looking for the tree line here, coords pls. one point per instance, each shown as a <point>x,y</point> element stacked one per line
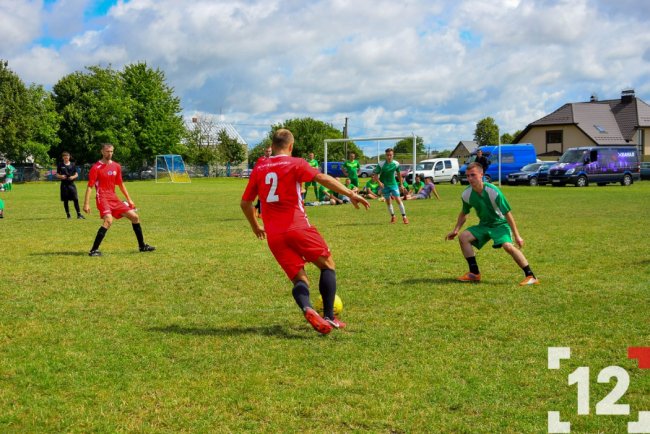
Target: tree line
<point>133,108</point>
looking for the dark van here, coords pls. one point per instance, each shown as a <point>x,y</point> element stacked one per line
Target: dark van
<point>334,168</point>
<point>599,164</point>
<point>513,158</point>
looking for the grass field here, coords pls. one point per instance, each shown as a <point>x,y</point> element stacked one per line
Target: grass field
<point>204,336</point>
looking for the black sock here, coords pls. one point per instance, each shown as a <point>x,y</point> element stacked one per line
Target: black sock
<point>473,266</point>
<point>327,287</point>
<point>66,207</point>
<point>99,238</point>
<point>301,295</point>
<point>76,206</point>
<point>528,271</point>
<point>138,234</point>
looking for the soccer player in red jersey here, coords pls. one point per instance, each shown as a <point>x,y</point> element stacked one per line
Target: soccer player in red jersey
<point>293,241</point>
<point>104,176</point>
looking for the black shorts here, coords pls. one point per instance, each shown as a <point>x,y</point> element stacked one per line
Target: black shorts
<point>68,192</point>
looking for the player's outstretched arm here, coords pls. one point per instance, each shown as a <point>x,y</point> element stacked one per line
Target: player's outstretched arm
<point>248,207</point>
<point>334,185</point>
<point>462,217</point>
<point>126,195</point>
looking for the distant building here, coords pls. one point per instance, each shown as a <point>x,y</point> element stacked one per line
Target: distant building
<point>463,150</point>
<point>624,121</point>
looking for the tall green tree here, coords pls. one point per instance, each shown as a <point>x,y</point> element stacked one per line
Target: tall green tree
<point>157,125</point>
<point>95,109</point>
<point>44,125</point>
<point>309,135</point>
<point>231,151</point>
<point>405,146</point>
<point>486,132</point>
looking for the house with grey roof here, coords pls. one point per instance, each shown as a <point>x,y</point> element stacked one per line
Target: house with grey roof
<point>463,149</point>
<point>624,121</point>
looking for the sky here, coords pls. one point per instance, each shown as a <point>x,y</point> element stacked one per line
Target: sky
<point>393,68</point>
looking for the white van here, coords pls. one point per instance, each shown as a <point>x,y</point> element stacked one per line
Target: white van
<point>440,169</point>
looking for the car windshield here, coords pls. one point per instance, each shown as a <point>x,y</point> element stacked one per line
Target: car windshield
<point>572,156</point>
<point>531,167</point>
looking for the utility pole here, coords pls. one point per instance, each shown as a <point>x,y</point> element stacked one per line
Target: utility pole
<point>345,136</point>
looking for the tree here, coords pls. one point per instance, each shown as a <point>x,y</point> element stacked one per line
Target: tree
<point>405,146</point>
<point>487,132</point>
<point>95,109</point>
<point>157,125</point>
<point>309,135</point>
<point>230,150</point>
<point>506,138</point>
<point>28,122</point>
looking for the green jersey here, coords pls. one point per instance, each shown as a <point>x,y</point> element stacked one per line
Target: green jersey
<point>491,206</point>
<point>320,194</point>
<point>373,186</point>
<point>9,174</point>
<point>313,163</point>
<point>387,172</point>
<point>417,187</point>
<point>352,168</point>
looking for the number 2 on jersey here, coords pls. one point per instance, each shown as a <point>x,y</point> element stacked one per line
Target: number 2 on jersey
<point>272,178</point>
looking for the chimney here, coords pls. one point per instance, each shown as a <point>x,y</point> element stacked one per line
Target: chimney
<point>627,96</point>
<point>593,98</point>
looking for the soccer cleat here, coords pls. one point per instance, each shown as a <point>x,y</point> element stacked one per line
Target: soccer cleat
<point>336,323</point>
<point>95,253</point>
<point>69,217</point>
<point>529,280</point>
<point>470,277</point>
<point>80,217</point>
<point>147,248</point>
<point>393,219</point>
<point>405,220</point>
<point>317,322</point>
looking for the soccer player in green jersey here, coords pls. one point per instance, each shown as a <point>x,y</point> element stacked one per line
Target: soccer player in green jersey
<point>313,162</point>
<point>372,190</point>
<point>9,176</point>
<point>496,223</point>
<point>351,169</point>
<point>2,209</point>
<point>388,170</point>
<point>417,185</point>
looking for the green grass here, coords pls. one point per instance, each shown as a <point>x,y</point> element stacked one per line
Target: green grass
<point>203,334</point>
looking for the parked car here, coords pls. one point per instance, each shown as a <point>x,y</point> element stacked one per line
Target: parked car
<point>531,174</point>
<point>366,170</point>
<point>440,169</point>
<point>513,158</point>
<point>3,169</point>
<point>599,164</point>
<point>404,169</point>
<point>645,170</point>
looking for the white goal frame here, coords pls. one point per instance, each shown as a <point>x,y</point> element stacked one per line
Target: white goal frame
<point>373,139</point>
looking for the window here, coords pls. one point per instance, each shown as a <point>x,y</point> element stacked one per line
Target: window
<point>447,164</point>
<point>438,165</point>
<point>553,137</point>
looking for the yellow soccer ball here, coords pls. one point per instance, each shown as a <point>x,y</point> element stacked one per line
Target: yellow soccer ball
<point>338,305</point>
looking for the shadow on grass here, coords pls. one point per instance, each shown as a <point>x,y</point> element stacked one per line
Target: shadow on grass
<point>59,254</point>
<point>272,330</point>
<point>432,280</point>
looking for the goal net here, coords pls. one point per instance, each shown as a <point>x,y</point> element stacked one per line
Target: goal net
<point>171,168</point>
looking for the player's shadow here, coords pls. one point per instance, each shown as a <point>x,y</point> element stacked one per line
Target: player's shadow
<point>59,254</point>
<point>430,280</point>
<point>272,330</point>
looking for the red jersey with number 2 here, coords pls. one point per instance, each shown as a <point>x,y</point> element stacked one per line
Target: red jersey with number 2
<point>276,181</point>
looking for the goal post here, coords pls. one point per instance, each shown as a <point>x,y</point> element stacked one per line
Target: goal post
<point>171,168</point>
<point>373,139</point>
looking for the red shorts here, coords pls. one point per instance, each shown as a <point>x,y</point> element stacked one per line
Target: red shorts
<point>113,206</point>
<point>295,248</point>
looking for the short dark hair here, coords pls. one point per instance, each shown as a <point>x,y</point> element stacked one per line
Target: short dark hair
<point>475,165</point>
<point>389,150</point>
<point>64,153</point>
<point>282,138</point>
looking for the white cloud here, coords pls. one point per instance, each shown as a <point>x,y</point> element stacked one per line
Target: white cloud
<point>432,67</point>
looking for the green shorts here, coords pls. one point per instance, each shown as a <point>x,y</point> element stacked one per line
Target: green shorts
<point>309,184</point>
<point>499,234</point>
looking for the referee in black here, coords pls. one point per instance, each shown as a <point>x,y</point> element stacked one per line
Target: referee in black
<point>67,173</point>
